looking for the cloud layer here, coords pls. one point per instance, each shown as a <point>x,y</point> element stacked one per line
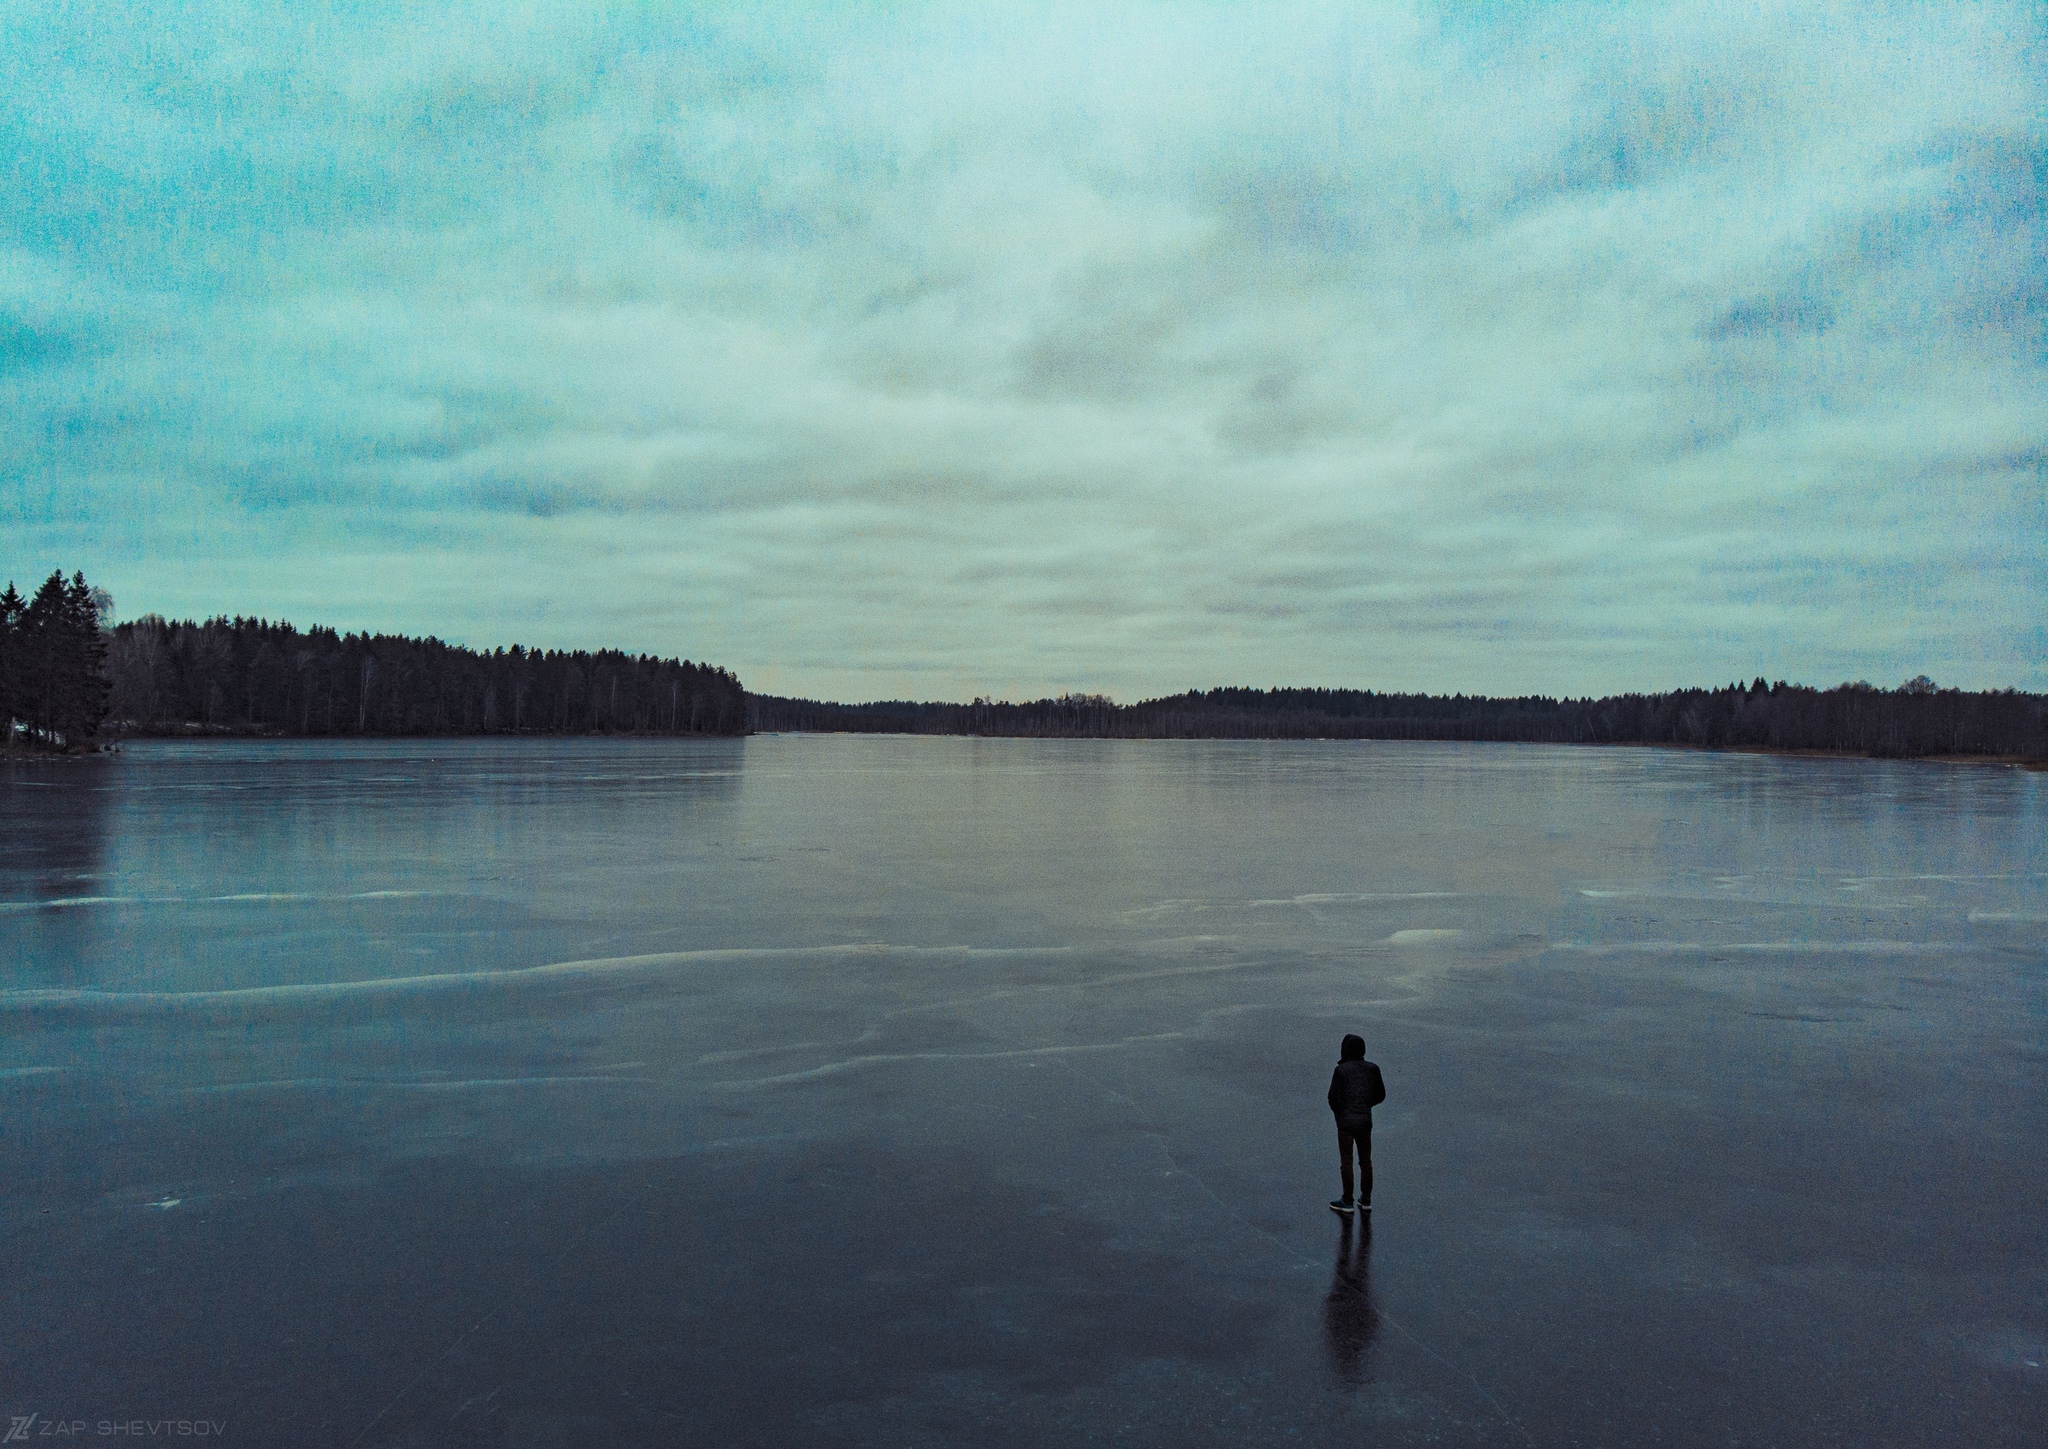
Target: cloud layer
<point>933,352</point>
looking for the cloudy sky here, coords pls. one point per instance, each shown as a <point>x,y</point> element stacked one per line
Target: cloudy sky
<point>920,351</point>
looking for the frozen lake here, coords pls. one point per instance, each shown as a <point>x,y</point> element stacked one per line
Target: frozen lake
<point>842,1090</point>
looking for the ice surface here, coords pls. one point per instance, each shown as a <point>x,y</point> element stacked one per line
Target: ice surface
<point>839,1090</point>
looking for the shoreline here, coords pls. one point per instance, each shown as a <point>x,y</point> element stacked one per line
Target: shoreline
<point>2018,762</point>
<point>226,735</point>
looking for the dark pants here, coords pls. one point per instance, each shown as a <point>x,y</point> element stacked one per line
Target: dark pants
<point>1356,1136</point>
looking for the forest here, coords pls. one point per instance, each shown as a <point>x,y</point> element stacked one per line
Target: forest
<point>53,682</point>
<point>256,676</point>
<point>67,682</point>
<point>1917,719</point>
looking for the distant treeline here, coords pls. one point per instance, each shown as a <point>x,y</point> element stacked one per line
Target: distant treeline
<point>257,677</point>
<point>1916,719</point>
<point>66,682</point>
<point>53,684</point>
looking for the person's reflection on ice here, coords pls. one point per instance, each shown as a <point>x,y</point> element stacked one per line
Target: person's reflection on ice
<point>1350,1321</point>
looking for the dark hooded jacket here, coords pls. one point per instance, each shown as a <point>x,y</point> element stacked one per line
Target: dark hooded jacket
<point>1356,1087</point>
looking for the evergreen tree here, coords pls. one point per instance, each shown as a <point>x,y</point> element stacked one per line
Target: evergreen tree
<point>84,673</point>
<point>53,675</point>
<point>42,636</point>
<point>11,607</point>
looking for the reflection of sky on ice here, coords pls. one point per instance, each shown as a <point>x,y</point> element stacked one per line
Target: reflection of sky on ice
<point>1026,1042</point>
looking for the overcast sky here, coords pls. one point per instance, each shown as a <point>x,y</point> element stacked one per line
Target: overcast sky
<point>932,352</point>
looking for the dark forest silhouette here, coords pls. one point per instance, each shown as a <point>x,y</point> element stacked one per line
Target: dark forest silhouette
<point>1916,719</point>
<point>66,682</point>
<point>53,683</point>
<point>255,676</point>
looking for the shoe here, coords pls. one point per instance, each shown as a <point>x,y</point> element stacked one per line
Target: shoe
<point>1341,1206</point>
<point>1365,1207</point>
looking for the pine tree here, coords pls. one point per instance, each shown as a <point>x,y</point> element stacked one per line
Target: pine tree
<point>11,607</point>
<point>85,686</point>
<point>42,652</point>
<point>56,663</point>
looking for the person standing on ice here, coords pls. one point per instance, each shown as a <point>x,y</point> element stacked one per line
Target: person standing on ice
<point>1356,1087</point>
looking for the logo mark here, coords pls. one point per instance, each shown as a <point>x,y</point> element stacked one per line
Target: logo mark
<point>18,1427</point>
